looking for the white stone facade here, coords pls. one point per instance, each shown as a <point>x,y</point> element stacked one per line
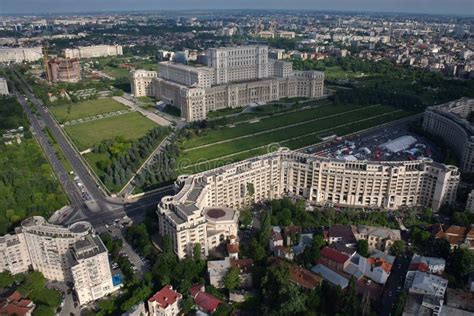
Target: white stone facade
<point>142,82</point>
<point>93,51</point>
<point>320,180</point>
<point>234,77</point>
<point>18,55</point>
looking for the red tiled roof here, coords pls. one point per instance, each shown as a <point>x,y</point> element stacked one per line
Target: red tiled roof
<point>16,305</point>
<point>233,248</point>
<point>421,266</point>
<point>166,296</point>
<point>379,262</point>
<point>334,255</point>
<point>15,296</point>
<point>304,278</point>
<point>245,265</point>
<point>456,230</point>
<point>206,302</point>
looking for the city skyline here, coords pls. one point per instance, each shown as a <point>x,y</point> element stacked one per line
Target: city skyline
<point>456,7</point>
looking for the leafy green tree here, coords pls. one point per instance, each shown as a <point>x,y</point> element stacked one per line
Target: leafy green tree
<point>6,279</point>
<point>43,310</point>
<point>231,279</point>
<point>397,248</point>
<point>245,217</point>
<point>440,248</point>
<point>197,251</point>
<point>459,265</point>
<point>363,248</point>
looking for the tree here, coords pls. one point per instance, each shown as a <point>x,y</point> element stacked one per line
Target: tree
<point>231,279</point>
<point>245,218</point>
<point>257,252</point>
<point>440,248</point>
<point>397,248</point>
<point>312,253</point>
<point>460,264</point>
<point>250,189</point>
<point>6,279</point>
<point>197,251</point>
<point>363,248</point>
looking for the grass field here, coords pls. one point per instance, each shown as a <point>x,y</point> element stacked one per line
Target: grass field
<point>275,121</point>
<point>129,126</point>
<point>331,120</point>
<point>73,111</point>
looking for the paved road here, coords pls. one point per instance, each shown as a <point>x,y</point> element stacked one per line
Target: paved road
<point>71,189</point>
<point>394,285</point>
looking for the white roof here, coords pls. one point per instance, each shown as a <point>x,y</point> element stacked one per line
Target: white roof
<point>399,143</point>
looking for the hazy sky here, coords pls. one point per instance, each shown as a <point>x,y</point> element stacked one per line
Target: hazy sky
<point>416,6</point>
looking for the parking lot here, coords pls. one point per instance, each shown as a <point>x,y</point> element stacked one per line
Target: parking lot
<point>394,143</point>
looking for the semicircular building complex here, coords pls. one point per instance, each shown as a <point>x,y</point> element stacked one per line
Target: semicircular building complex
<point>196,213</point>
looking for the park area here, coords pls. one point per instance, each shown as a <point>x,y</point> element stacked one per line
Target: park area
<point>127,126</point>
<point>251,134</point>
<point>74,111</point>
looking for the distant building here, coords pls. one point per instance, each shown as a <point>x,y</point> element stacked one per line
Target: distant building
<point>64,70</point>
<point>450,122</point>
<point>217,270</point>
<point>93,51</point>
<point>456,235</point>
<point>142,82</point>
<point>426,292</point>
<point>427,264</point>
<point>4,87</point>
<point>234,77</point>
<point>22,54</point>
<point>165,302</point>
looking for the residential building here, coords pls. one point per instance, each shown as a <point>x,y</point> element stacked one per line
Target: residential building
<point>14,256</point>
<point>165,302</point>
<point>426,291</point>
<point>217,269</point>
<point>317,179</point>
<point>298,275</point>
<point>90,269</point>
<point>333,259</point>
<point>456,235</point>
<point>21,54</point>
<point>205,302</point>
<point>65,254</point>
<point>16,304</point>
<point>330,276</point>
<point>141,82</point>
<point>4,87</point>
<point>470,202</point>
<point>342,234</point>
<point>93,51</point>
<point>377,267</point>
<point>449,121</point>
<point>380,238</point>
<point>137,310</point>
<point>64,70</point>
<point>427,264</point>
<point>233,77</point>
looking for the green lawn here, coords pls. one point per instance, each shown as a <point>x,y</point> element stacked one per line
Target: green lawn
<point>116,72</point>
<point>275,121</point>
<point>224,112</point>
<point>129,126</point>
<point>192,161</point>
<point>73,111</point>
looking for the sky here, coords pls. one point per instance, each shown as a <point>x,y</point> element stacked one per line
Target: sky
<point>464,7</point>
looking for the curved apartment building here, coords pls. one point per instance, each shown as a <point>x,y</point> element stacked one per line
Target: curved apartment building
<point>321,181</point>
<point>449,121</point>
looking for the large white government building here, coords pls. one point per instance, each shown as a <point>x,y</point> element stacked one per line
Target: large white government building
<point>93,51</point>
<point>233,77</point>
<point>66,254</point>
<point>450,122</point>
<point>321,181</point>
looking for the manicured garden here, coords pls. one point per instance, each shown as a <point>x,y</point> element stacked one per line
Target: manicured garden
<point>74,111</point>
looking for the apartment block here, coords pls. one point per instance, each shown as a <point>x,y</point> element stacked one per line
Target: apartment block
<point>21,54</point>
<point>450,122</point>
<point>4,87</point>
<point>93,51</point>
<point>90,269</point>
<point>64,254</point>
<point>321,181</point>
<point>234,77</point>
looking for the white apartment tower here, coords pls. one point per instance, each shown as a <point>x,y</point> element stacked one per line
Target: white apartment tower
<point>90,269</point>
<point>142,82</point>
<point>65,254</point>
